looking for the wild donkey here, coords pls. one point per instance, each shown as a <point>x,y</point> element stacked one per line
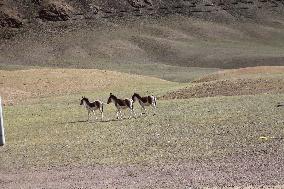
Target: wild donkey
<point>145,101</point>
<point>121,104</point>
<point>93,106</point>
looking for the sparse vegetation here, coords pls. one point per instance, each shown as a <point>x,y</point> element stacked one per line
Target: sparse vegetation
<point>215,127</point>
<point>172,48</point>
<point>52,131</point>
<point>55,132</point>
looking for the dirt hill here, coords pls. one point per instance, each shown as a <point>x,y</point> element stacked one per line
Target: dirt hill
<point>246,81</point>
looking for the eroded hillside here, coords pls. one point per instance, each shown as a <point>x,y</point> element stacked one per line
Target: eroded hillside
<point>14,13</point>
<point>141,37</point>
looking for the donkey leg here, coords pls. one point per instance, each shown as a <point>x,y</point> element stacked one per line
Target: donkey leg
<point>154,107</point>
<point>143,110</point>
<point>88,115</point>
<point>117,112</point>
<point>130,114</point>
<point>102,114</point>
<point>121,114</point>
<point>133,112</point>
<point>95,114</point>
<point>131,108</point>
<point>102,111</point>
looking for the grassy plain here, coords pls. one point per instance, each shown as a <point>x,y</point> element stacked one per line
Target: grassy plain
<point>51,129</point>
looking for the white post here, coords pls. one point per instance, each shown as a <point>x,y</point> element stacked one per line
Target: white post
<point>2,135</point>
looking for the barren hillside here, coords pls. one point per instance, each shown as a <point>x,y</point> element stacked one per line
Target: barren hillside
<point>123,35</point>
<point>74,9</point>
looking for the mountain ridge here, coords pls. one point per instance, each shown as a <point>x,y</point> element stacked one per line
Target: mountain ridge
<point>15,13</point>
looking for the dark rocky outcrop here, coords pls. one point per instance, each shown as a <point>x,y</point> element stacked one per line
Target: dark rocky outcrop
<point>10,18</point>
<point>61,10</point>
<point>54,10</point>
<point>140,3</point>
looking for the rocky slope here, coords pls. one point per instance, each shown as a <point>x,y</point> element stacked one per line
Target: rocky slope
<point>15,13</point>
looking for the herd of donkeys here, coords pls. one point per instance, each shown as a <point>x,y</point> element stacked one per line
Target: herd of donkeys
<point>120,104</point>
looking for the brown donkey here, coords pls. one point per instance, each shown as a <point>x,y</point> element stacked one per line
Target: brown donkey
<point>145,101</point>
<point>93,106</point>
<point>121,104</point>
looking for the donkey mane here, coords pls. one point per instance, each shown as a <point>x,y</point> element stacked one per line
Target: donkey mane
<point>137,95</point>
<point>86,99</point>
<point>112,96</point>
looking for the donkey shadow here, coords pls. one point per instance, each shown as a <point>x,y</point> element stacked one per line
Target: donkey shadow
<point>125,118</point>
<point>143,115</point>
<point>99,121</point>
<point>72,122</point>
<point>114,119</point>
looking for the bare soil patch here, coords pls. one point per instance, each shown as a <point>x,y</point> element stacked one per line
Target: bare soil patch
<point>243,81</point>
<point>240,171</point>
<point>243,73</point>
<point>229,88</point>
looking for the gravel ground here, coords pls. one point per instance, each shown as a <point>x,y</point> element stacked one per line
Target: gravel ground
<point>249,170</point>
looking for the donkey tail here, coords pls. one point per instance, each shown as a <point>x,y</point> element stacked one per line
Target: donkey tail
<point>102,110</point>
<point>155,100</point>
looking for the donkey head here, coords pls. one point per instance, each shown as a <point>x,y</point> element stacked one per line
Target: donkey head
<point>110,98</point>
<point>83,99</point>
